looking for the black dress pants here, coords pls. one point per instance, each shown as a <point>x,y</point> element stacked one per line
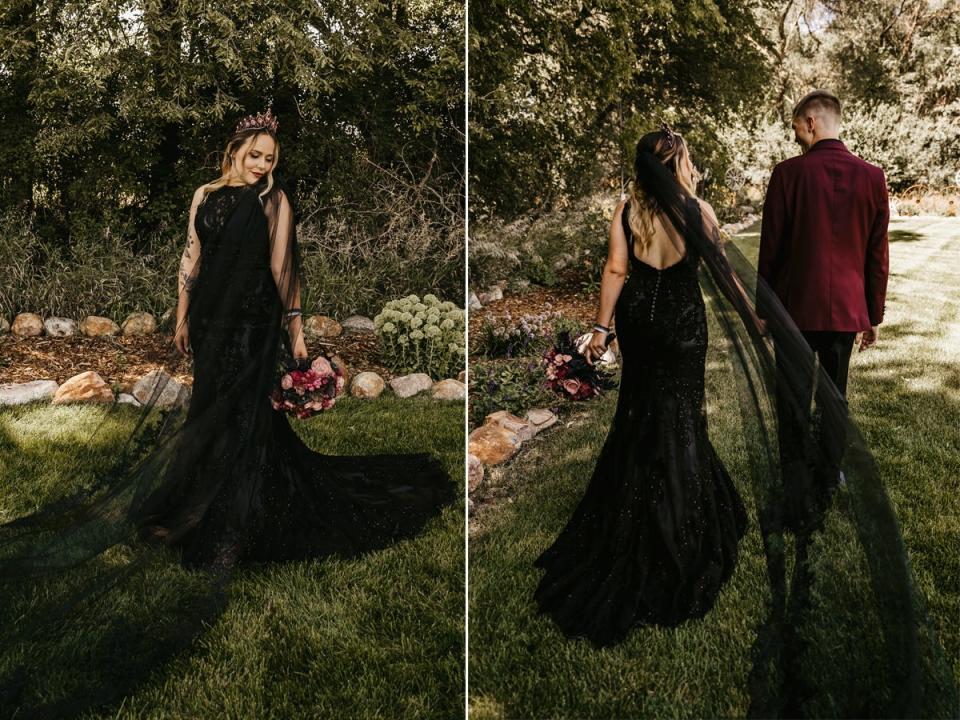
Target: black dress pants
<point>812,439</point>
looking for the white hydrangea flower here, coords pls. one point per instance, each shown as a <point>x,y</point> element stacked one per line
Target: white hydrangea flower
<point>389,327</point>
<point>416,322</point>
<point>416,335</point>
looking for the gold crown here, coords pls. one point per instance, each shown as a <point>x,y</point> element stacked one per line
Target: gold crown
<point>264,120</point>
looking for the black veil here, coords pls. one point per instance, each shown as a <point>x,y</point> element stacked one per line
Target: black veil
<point>847,633</point>
<point>96,563</point>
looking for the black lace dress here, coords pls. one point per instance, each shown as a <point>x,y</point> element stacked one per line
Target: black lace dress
<point>656,534</point>
<point>241,484</point>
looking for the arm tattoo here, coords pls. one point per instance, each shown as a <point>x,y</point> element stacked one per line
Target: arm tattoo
<point>189,280</point>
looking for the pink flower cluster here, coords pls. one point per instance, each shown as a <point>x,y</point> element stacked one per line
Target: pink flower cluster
<point>561,371</point>
<point>305,393</point>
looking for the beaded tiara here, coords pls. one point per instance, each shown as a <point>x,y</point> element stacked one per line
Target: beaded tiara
<point>264,120</point>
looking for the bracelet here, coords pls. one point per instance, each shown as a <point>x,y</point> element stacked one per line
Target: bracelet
<point>600,328</point>
<point>294,312</point>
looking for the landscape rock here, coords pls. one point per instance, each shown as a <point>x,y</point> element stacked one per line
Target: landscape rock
<point>27,325</point>
<point>523,429</point>
<point>474,472</point>
<point>358,324</point>
<point>171,392</point>
<point>462,376</point>
<point>4,325</point>
<point>321,326</point>
<point>167,319</point>
<point>20,393</point>
<point>97,326</point>
<point>408,385</point>
<point>86,387</point>
<point>367,385</point>
<point>540,419</point>
<point>60,327</point>
<point>128,399</point>
<point>474,302</point>
<point>449,389</point>
<point>493,444</point>
<point>493,294</point>
<point>139,323</point>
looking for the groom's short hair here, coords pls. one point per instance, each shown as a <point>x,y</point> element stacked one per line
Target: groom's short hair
<point>817,100</point>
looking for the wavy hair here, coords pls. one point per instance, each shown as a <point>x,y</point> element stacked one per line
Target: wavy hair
<point>671,150</point>
<point>240,143</point>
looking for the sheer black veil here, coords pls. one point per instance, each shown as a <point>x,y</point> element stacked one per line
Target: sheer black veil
<point>799,667</point>
<point>97,561</point>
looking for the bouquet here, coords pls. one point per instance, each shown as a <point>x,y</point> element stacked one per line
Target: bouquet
<point>569,374</point>
<point>306,388</point>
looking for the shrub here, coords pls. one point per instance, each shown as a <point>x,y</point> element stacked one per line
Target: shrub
<point>422,336</point>
<point>515,385</point>
<point>505,337</point>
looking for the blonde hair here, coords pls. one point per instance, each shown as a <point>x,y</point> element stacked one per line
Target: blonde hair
<point>240,144</point>
<point>641,208</point>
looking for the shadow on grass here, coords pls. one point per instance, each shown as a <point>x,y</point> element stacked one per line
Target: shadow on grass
<point>133,620</point>
<point>905,236</point>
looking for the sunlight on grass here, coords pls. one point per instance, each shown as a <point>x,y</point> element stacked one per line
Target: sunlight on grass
<point>904,394</point>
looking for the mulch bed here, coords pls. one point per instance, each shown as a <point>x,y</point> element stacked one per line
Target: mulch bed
<point>125,359</point>
<point>570,302</point>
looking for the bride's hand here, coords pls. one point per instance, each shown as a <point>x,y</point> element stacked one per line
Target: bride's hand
<point>596,347</point>
<point>181,339</point>
<point>299,348</point>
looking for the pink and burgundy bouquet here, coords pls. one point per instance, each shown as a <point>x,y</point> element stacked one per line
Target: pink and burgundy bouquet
<point>569,374</point>
<point>306,388</point>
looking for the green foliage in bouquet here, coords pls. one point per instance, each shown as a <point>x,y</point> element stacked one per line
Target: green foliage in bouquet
<point>421,336</point>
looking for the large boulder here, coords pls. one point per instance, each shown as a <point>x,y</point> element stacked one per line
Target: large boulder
<point>98,326</point>
<point>408,385</point>
<point>493,444</point>
<point>358,324</point>
<point>171,391</point>
<point>60,327</point>
<point>449,389</point>
<point>27,325</point>
<point>139,323</point>
<point>321,326</point>
<point>86,387</point>
<point>127,399</point>
<point>474,302</point>
<point>20,393</point>
<point>367,385</point>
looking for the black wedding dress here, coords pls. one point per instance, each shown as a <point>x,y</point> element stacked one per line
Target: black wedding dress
<point>216,484</point>
<point>655,536</point>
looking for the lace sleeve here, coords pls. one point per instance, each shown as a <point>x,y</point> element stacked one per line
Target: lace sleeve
<point>285,260</point>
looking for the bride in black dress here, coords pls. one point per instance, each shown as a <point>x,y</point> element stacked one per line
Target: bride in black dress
<point>655,536</point>
<point>657,532</point>
<point>223,484</point>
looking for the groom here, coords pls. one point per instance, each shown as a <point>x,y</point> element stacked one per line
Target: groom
<point>824,254</point>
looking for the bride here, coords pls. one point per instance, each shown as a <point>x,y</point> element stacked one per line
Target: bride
<point>230,483</point>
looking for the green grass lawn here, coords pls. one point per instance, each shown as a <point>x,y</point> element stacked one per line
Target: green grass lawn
<point>905,395</point>
<point>376,637</point>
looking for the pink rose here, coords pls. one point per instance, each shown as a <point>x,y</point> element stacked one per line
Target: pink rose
<point>571,386</point>
<point>286,382</point>
<point>340,383</point>
<point>567,358</point>
<point>551,373</point>
<point>321,365</point>
<point>558,360</point>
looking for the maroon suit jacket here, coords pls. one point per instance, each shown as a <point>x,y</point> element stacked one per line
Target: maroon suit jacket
<point>823,242</point>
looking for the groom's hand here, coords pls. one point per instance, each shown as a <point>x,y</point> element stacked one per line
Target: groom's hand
<point>868,338</point>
